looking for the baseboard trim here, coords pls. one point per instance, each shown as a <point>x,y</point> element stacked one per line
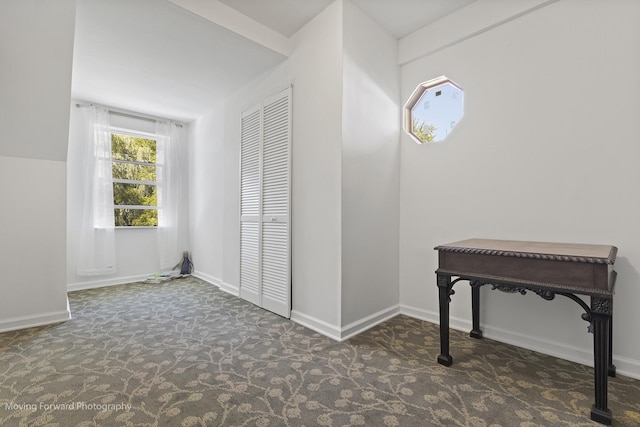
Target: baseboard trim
<point>624,366</point>
<point>456,323</point>
<point>230,289</point>
<point>551,348</point>
<point>207,278</point>
<point>359,326</point>
<point>105,282</point>
<point>25,322</point>
<point>627,367</point>
<point>341,334</point>
<point>223,286</point>
<point>320,326</point>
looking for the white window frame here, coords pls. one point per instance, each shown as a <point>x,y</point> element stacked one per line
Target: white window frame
<point>415,98</point>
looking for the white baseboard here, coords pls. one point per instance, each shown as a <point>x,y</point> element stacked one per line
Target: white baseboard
<point>207,278</point>
<point>359,326</point>
<point>320,326</point>
<point>341,334</point>
<point>105,282</point>
<point>624,366</point>
<point>551,348</point>
<point>434,317</point>
<point>627,367</point>
<point>41,319</point>
<point>230,289</point>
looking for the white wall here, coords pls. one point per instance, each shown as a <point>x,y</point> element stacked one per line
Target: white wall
<point>370,172</point>
<point>547,151</point>
<point>137,254</point>
<point>315,69</point>
<point>206,194</point>
<point>345,176</point>
<point>32,242</point>
<point>35,88</point>
<point>35,77</point>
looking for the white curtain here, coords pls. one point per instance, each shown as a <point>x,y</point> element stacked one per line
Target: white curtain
<point>97,236</point>
<point>171,182</point>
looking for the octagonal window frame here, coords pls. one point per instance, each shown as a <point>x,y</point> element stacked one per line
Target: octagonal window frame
<point>415,98</point>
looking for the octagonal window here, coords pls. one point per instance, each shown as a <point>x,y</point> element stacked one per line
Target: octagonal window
<point>433,110</point>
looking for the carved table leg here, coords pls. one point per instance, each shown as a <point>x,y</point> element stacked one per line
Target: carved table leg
<point>444,289</point>
<point>612,367</point>
<point>475,310</point>
<point>601,320</point>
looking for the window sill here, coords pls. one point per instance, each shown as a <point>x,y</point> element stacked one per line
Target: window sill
<point>146,227</point>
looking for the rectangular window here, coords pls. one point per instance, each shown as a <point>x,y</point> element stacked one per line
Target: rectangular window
<point>134,180</point>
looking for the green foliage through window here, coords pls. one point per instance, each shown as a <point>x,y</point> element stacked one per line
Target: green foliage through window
<point>134,181</point>
<point>422,131</point>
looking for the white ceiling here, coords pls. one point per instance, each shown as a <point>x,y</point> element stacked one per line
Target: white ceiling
<point>403,17</point>
<point>399,17</point>
<point>154,57</point>
<point>158,58</point>
<point>283,16</point>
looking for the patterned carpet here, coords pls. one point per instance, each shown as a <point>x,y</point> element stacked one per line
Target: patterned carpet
<point>184,353</point>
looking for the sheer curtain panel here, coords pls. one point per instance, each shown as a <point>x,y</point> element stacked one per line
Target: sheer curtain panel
<point>97,236</point>
<point>171,166</point>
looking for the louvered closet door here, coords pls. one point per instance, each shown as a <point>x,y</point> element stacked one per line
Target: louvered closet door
<point>276,259</point>
<point>250,224</point>
<point>265,261</point>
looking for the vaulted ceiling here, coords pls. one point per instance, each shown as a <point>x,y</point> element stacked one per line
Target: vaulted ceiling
<point>177,58</point>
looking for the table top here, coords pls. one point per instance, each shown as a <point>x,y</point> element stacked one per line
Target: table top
<point>595,254</point>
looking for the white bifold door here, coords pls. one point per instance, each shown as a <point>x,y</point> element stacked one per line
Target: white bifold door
<point>265,182</point>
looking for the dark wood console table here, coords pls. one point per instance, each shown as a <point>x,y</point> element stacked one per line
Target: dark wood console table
<point>547,269</point>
